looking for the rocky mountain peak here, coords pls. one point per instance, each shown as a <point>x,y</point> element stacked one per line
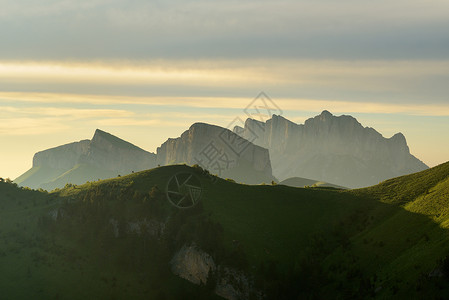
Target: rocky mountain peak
<point>331,148</point>
<point>219,150</point>
<point>399,137</point>
<point>113,153</point>
<point>399,142</point>
<point>326,114</point>
<point>102,138</point>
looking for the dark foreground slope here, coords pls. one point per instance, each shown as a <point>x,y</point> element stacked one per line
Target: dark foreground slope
<point>379,242</point>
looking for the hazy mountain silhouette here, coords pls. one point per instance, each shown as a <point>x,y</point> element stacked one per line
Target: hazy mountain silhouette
<point>217,149</point>
<point>220,151</point>
<point>104,156</point>
<point>332,149</point>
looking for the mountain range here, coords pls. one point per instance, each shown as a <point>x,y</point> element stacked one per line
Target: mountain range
<point>333,149</point>
<point>336,149</point>
<point>106,156</point>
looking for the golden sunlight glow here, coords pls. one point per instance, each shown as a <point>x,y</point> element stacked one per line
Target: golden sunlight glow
<point>369,75</point>
<point>122,74</point>
<point>312,105</point>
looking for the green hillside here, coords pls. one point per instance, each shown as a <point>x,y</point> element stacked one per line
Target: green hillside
<point>314,243</point>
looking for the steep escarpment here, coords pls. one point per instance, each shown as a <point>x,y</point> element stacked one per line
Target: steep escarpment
<point>62,157</point>
<point>102,157</point>
<point>217,149</point>
<point>220,151</point>
<point>333,149</point>
<point>112,153</point>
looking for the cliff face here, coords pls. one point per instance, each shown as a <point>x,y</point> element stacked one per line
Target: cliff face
<point>192,264</point>
<point>333,149</point>
<point>195,265</point>
<point>62,157</point>
<point>111,153</point>
<point>220,151</point>
<point>102,157</point>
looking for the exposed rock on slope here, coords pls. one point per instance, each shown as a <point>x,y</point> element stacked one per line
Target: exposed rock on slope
<point>333,149</point>
<point>195,265</point>
<point>220,151</point>
<point>192,264</point>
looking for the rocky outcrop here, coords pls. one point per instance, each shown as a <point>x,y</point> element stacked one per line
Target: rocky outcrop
<point>233,285</point>
<point>149,227</point>
<point>332,149</point>
<point>192,264</point>
<point>195,265</point>
<point>220,151</point>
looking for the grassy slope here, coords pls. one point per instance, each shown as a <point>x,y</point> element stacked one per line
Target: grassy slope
<point>388,238</point>
<point>42,265</point>
<point>269,219</point>
<point>397,230</point>
<point>412,236</point>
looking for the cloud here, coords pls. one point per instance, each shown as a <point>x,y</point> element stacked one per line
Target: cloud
<point>375,81</point>
<point>29,126</point>
<point>17,121</point>
<point>179,104</point>
<point>325,29</point>
<point>69,113</point>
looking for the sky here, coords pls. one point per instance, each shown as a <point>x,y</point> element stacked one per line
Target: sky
<point>146,70</point>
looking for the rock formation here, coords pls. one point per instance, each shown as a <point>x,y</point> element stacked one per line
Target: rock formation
<point>192,264</point>
<point>220,151</point>
<point>217,149</point>
<point>62,157</point>
<point>195,265</point>
<point>112,153</point>
<point>332,149</point>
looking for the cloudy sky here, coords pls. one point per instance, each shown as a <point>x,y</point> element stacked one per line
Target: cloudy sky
<point>146,70</point>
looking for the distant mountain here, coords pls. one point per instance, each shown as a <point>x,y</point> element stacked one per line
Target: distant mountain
<point>104,156</point>
<point>216,149</point>
<point>304,182</point>
<point>220,151</point>
<point>333,149</point>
